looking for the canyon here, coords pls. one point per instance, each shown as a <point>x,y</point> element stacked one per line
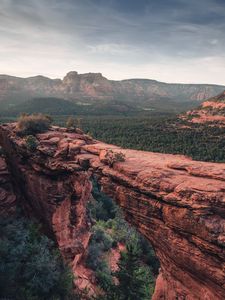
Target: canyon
<point>177,203</point>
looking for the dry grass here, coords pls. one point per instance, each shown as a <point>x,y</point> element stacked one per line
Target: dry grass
<point>32,124</point>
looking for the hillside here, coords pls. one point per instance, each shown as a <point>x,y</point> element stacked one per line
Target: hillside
<point>87,88</point>
<point>57,106</point>
<point>211,111</point>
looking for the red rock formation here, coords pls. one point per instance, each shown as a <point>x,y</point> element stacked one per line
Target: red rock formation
<point>211,111</point>
<point>176,203</point>
<point>7,195</point>
<point>91,86</point>
<point>55,192</point>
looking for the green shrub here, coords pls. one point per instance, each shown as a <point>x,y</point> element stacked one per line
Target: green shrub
<point>114,157</point>
<point>148,255</point>
<point>30,266</point>
<point>31,142</point>
<point>101,207</point>
<point>32,124</point>
<point>104,276</point>
<point>94,256</point>
<point>110,229</point>
<point>71,123</point>
<point>1,151</point>
<point>102,238</point>
<point>100,242</point>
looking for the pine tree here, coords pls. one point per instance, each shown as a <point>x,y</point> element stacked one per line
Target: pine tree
<point>131,276</point>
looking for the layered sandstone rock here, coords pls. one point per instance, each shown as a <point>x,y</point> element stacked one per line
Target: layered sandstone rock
<point>8,198</point>
<point>211,111</point>
<point>176,203</point>
<point>54,192</point>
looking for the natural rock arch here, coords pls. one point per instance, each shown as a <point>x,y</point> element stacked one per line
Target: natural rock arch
<point>176,203</point>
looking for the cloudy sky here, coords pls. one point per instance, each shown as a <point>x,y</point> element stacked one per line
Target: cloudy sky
<point>167,40</point>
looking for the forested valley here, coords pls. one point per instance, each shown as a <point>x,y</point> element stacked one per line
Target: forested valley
<point>159,132</point>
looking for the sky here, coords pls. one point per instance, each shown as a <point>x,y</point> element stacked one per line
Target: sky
<point>166,40</point>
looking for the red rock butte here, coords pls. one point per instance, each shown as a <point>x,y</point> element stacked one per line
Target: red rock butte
<point>178,204</point>
<point>211,111</point>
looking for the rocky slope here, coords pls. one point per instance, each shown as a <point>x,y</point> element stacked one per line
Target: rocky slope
<point>53,192</point>
<point>8,198</point>
<point>211,111</point>
<point>93,86</point>
<point>176,203</point>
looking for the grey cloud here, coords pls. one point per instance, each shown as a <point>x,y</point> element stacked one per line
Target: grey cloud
<point>106,36</point>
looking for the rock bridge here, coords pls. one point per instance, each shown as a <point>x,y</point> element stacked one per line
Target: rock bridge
<point>178,204</point>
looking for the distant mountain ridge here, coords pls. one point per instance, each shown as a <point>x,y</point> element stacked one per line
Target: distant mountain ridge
<point>89,87</point>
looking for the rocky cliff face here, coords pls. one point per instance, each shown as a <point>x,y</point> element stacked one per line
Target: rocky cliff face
<point>53,192</point>
<point>176,203</point>
<point>93,86</point>
<point>8,198</point>
<point>211,111</point>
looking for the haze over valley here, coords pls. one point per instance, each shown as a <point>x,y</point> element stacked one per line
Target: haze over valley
<point>92,92</point>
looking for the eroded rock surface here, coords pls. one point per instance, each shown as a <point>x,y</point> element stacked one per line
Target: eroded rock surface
<point>211,111</point>
<point>178,204</point>
<point>8,198</point>
<point>54,191</point>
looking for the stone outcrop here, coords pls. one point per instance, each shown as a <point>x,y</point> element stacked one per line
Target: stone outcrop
<point>178,204</point>
<point>8,198</point>
<point>54,192</point>
<point>211,111</point>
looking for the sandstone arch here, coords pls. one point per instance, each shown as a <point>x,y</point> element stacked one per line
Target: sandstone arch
<point>177,203</point>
